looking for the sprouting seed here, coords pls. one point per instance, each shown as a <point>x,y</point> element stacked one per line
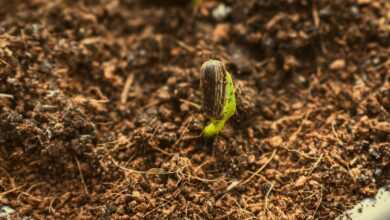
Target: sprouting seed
<point>219,101</point>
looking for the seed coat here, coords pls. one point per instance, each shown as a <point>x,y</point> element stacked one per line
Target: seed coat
<point>213,85</point>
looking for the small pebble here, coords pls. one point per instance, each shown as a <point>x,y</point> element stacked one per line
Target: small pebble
<point>378,172</point>
<point>337,64</point>
<point>221,12</point>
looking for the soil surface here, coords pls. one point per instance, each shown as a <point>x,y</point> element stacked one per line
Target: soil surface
<point>100,108</point>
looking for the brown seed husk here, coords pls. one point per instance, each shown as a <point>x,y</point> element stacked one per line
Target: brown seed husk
<point>213,83</point>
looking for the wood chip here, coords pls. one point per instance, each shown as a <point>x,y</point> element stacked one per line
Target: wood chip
<point>337,64</point>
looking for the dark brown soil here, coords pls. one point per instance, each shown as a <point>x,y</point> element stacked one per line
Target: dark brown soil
<point>100,117</point>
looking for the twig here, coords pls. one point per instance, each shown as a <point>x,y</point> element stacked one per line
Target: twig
<point>314,11</point>
<point>191,137</point>
<point>158,171</point>
<point>27,192</point>
<point>317,23</point>
<point>197,106</point>
<point>186,46</point>
<point>307,156</point>
<point>260,169</point>
<point>51,209</point>
<point>336,135</point>
<point>203,164</point>
<point>150,172</point>
<point>266,197</point>
<point>281,120</point>
<point>234,184</point>
<point>2,194</point>
<point>4,95</point>
<point>34,198</point>
<point>103,98</point>
<point>183,129</point>
<point>316,163</point>
<point>203,179</point>
<point>157,148</point>
<point>82,176</point>
<point>242,212</point>
<point>162,151</point>
<point>150,104</point>
<point>3,61</point>
<point>126,88</point>
<point>154,209</point>
<point>319,203</point>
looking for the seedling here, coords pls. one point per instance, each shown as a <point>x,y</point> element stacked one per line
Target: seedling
<point>219,101</point>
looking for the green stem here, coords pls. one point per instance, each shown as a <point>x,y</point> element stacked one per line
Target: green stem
<point>213,128</point>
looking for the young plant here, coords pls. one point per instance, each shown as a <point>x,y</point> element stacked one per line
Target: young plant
<point>219,101</point>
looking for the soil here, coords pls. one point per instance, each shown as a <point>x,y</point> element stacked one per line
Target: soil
<point>100,116</point>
